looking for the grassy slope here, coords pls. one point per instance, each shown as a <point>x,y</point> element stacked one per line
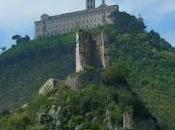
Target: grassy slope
<point>26,67</point>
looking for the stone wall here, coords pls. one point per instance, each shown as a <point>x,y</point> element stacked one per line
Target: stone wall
<point>90,51</point>
<point>101,42</point>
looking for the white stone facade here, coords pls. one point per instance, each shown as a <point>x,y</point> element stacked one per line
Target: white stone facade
<point>70,22</point>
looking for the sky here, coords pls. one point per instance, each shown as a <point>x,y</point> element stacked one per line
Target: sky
<point>18,16</point>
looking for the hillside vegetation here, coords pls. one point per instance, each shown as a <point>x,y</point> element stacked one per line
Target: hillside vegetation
<point>150,60</point>
<point>25,67</point>
<point>92,108</point>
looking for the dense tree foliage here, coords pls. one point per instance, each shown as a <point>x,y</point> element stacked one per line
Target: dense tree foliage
<point>127,23</point>
<point>25,67</point>
<point>117,73</point>
<point>156,41</point>
<point>19,39</point>
<point>3,48</point>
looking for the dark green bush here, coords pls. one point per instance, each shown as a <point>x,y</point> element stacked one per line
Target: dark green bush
<point>117,73</point>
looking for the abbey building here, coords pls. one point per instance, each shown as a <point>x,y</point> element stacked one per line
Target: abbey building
<point>86,19</point>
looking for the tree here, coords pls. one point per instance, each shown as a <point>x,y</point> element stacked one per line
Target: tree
<point>16,37</point>
<point>156,41</point>
<point>126,23</point>
<point>116,74</point>
<point>19,39</point>
<point>27,38</point>
<point>3,48</point>
<point>13,46</point>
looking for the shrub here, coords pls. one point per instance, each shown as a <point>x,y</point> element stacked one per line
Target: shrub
<point>126,23</point>
<point>116,74</point>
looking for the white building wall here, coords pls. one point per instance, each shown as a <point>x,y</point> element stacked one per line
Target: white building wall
<point>61,24</point>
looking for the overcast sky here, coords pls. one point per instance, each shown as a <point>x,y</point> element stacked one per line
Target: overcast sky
<point>18,16</point>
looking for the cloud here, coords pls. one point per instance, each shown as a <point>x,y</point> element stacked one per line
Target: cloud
<point>149,8</point>
<point>169,36</point>
<point>158,15</point>
<point>17,16</point>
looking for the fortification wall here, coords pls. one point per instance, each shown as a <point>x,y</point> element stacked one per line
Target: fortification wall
<point>90,51</point>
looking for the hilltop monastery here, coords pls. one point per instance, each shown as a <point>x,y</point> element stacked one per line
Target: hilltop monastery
<point>89,18</point>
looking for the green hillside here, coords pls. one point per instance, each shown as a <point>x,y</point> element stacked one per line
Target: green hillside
<point>150,59</point>
<point>24,68</point>
<point>91,108</point>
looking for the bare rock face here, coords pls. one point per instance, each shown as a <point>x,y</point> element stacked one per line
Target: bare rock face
<point>49,86</point>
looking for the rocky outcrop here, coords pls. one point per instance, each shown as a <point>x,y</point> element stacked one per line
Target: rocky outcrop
<point>49,86</point>
<point>80,80</point>
<point>74,81</point>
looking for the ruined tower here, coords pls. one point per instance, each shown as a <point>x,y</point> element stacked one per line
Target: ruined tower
<point>128,120</point>
<point>90,4</point>
<point>90,51</point>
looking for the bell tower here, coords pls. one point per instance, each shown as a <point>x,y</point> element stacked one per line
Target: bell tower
<point>103,2</point>
<point>90,4</point>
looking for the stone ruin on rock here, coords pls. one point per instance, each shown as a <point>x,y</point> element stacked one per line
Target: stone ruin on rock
<point>91,51</point>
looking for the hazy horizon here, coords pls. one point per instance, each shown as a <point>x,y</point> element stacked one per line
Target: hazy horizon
<point>18,16</point>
